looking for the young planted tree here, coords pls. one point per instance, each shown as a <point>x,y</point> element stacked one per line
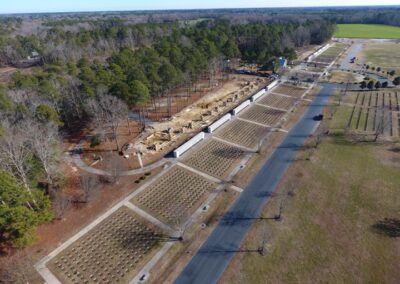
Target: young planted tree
<point>370,85</point>
<point>396,81</point>
<point>363,85</point>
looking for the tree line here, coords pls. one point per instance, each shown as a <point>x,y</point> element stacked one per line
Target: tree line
<point>143,63</point>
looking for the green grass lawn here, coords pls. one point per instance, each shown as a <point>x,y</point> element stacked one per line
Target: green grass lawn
<point>367,31</point>
<point>384,55</point>
<point>341,218</point>
<point>328,231</point>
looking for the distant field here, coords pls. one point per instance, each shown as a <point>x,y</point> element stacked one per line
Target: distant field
<point>384,55</point>
<point>367,31</point>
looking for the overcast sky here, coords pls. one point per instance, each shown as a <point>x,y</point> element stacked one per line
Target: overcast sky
<point>28,6</point>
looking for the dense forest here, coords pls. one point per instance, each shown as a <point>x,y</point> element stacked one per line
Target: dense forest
<point>97,71</point>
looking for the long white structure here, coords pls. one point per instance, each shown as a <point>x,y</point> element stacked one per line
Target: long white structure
<point>189,144</point>
<point>272,85</point>
<point>318,52</point>
<point>219,122</point>
<point>258,95</point>
<point>241,107</point>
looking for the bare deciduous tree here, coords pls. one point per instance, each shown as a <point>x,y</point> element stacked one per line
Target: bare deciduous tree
<point>61,203</point>
<point>15,151</point>
<point>265,237</point>
<point>89,186</point>
<point>181,220</point>
<point>46,145</point>
<point>108,111</point>
<point>16,268</point>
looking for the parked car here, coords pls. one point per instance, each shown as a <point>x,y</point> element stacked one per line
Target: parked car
<point>318,117</point>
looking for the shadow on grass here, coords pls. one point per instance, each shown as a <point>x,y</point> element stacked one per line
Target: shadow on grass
<point>389,227</point>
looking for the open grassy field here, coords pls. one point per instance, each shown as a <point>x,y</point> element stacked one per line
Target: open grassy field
<point>341,221</point>
<point>384,55</point>
<point>367,31</point>
<point>330,54</point>
<point>340,215</point>
<point>376,111</point>
<point>344,77</point>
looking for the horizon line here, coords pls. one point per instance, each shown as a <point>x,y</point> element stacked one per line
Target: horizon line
<point>189,9</point>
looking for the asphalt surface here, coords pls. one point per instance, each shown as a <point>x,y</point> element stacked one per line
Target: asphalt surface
<point>353,52</point>
<point>216,253</point>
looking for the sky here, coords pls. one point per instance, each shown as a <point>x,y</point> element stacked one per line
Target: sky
<point>33,6</point>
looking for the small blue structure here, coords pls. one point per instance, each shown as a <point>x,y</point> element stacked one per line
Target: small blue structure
<point>282,62</point>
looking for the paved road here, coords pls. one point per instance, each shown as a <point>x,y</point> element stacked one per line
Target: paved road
<point>353,52</point>
<point>216,253</point>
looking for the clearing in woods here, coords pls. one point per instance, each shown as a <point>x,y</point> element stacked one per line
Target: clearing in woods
<point>367,31</point>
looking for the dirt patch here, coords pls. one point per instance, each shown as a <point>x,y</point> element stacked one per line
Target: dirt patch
<point>165,136</point>
<point>5,73</point>
<point>389,156</point>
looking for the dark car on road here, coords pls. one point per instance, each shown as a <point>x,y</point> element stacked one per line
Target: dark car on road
<point>318,117</point>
